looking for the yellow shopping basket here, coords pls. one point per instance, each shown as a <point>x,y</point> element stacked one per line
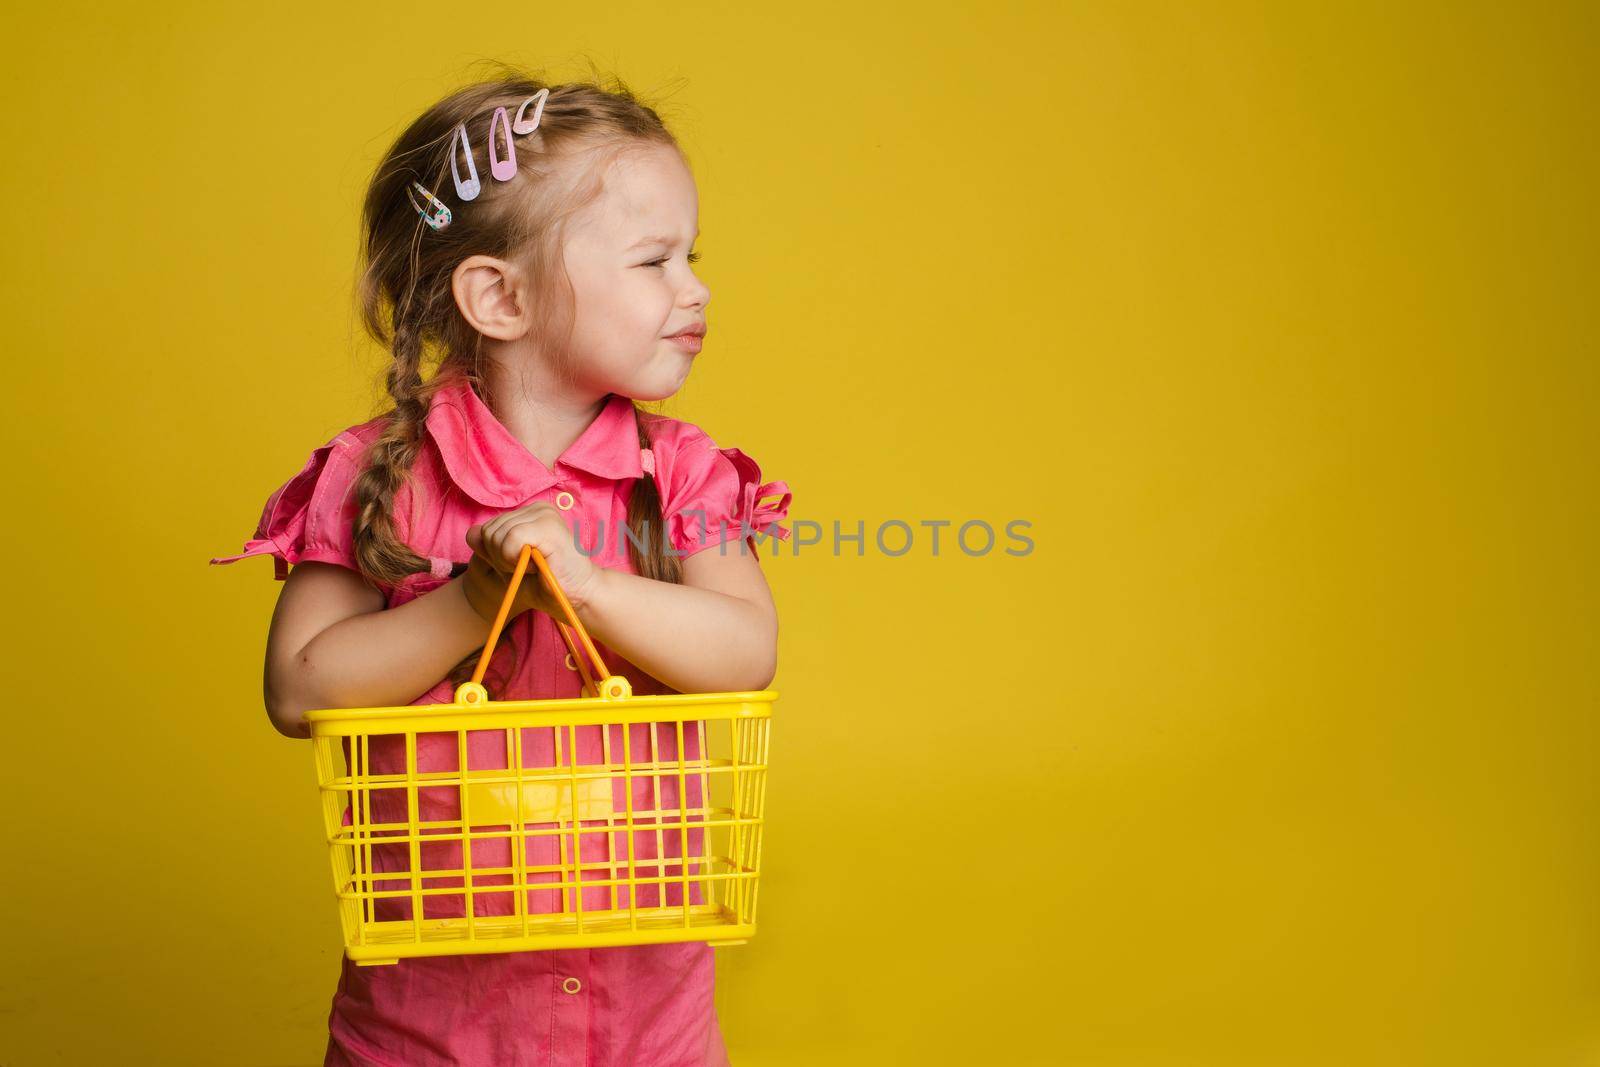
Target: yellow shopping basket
<point>503,826</point>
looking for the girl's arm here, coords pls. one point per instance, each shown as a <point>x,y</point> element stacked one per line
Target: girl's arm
<point>331,644</point>
<point>715,633</point>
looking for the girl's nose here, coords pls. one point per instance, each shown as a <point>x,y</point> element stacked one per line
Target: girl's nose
<point>698,294</point>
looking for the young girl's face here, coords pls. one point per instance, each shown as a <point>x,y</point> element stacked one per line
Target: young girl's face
<point>628,257</point>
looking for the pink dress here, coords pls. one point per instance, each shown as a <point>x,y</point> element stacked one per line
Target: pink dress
<point>607,1007</point>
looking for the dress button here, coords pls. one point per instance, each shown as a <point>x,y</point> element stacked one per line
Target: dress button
<point>572,985</point>
<point>564,501</point>
<point>571,666</point>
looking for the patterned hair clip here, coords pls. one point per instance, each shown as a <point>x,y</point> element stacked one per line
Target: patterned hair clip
<point>520,125</point>
<point>466,190</point>
<point>438,216</point>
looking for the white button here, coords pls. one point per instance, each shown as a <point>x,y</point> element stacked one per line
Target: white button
<point>571,666</point>
<point>564,501</point>
<point>572,985</point>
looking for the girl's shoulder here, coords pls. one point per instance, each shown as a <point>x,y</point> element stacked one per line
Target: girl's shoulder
<point>348,448</point>
<point>696,476</point>
<point>681,454</point>
<point>309,516</point>
<point>359,438</point>
<point>349,452</point>
<point>684,451</point>
<point>669,434</point>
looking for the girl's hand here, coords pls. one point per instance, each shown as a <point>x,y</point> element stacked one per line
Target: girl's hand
<point>496,544</point>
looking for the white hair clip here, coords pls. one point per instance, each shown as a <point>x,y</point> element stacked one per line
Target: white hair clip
<point>466,190</point>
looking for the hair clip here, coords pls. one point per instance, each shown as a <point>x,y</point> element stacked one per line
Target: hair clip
<point>647,460</point>
<point>519,126</point>
<point>502,169</point>
<point>466,190</point>
<point>439,216</point>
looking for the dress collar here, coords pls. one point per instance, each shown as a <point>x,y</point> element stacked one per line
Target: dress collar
<point>487,462</point>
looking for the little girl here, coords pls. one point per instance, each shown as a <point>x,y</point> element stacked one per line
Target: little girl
<point>551,293</point>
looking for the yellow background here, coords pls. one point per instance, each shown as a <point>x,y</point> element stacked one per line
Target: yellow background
<point>1276,322</point>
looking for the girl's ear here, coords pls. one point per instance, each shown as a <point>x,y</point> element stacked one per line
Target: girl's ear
<point>488,292</point>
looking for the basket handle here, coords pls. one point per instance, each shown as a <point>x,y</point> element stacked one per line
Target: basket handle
<point>601,681</point>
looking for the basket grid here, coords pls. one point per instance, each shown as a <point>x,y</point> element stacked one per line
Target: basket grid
<point>637,829</point>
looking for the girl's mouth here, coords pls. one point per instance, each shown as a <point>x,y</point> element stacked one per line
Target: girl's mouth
<point>689,342</point>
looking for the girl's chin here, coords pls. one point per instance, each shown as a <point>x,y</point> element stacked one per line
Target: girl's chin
<point>657,390</point>
<point>660,381</point>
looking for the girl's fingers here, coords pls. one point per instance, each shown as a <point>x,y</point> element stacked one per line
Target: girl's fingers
<point>501,538</point>
<point>526,533</point>
<point>485,545</point>
<point>494,530</point>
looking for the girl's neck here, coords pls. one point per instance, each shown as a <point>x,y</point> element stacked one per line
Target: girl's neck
<point>546,417</point>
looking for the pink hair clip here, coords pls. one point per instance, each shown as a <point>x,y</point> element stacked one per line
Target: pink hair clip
<point>647,460</point>
<point>520,125</point>
<point>502,169</point>
<point>437,216</point>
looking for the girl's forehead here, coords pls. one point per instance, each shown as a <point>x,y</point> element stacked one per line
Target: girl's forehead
<point>645,195</point>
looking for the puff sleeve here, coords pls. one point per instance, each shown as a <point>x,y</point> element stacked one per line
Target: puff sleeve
<point>310,516</point>
<point>712,496</point>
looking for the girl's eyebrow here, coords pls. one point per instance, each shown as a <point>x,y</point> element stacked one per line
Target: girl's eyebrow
<point>641,242</point>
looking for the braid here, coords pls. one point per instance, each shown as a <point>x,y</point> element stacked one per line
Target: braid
<point>382,556</point>
<point>644,519</point>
